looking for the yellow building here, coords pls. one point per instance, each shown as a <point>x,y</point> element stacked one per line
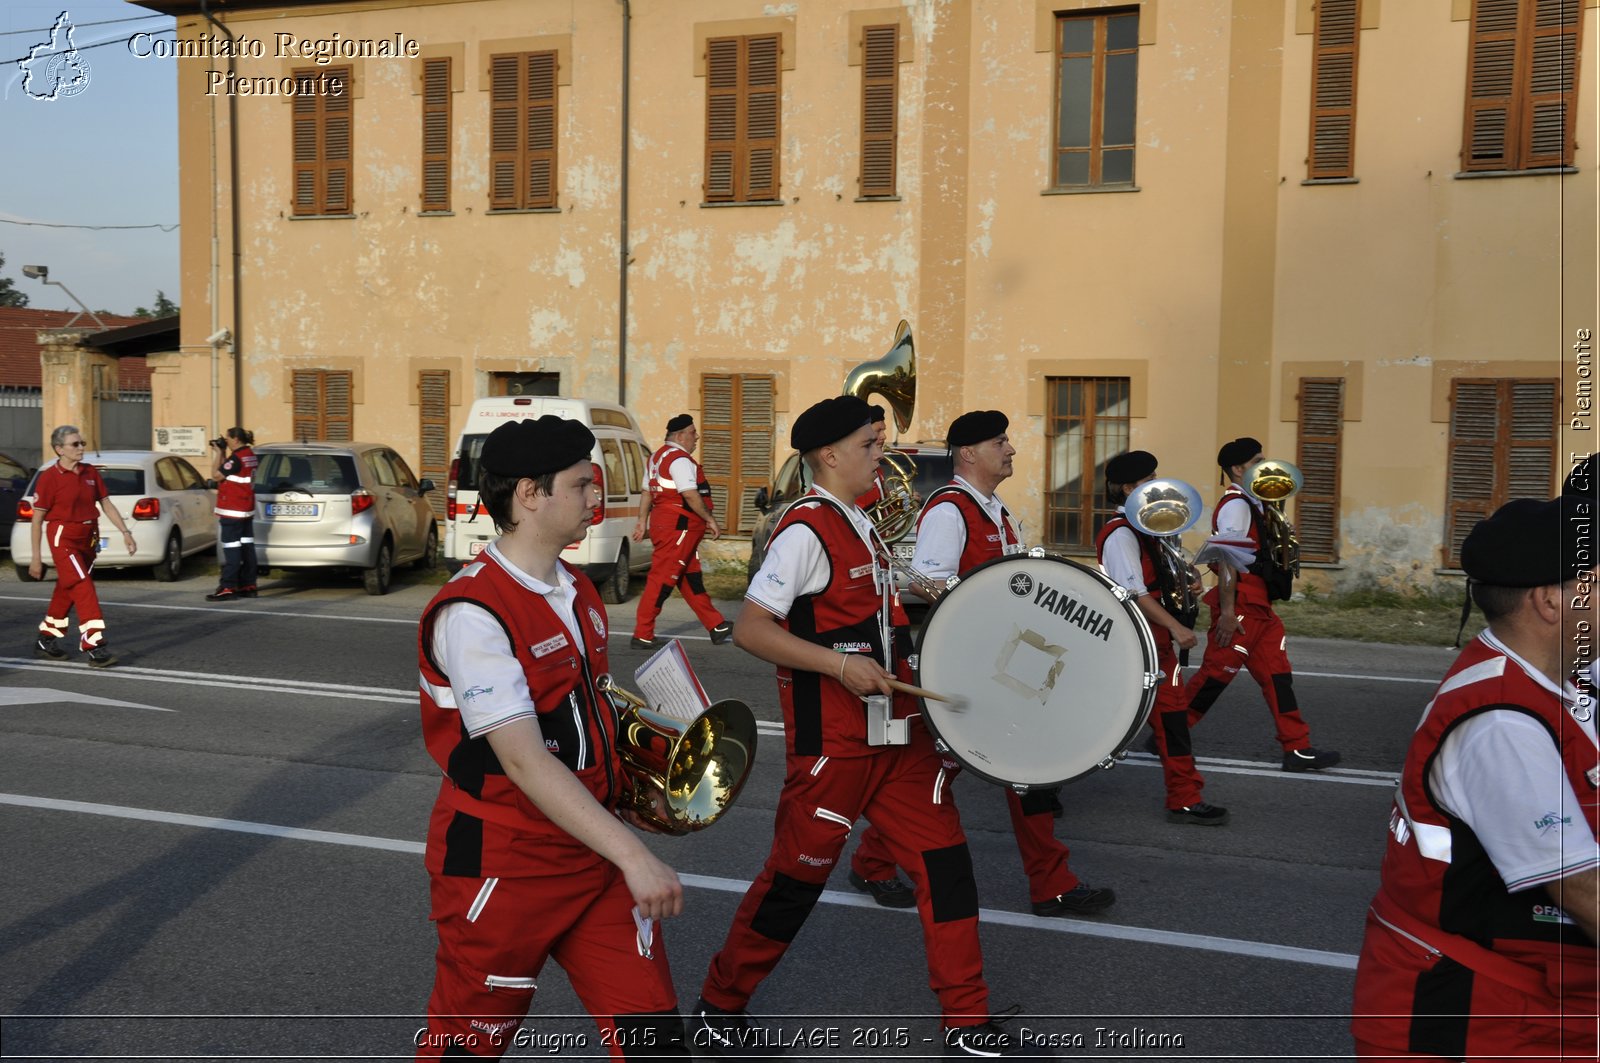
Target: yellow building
<point>1362,232</point>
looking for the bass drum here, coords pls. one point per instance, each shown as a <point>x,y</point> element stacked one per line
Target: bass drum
<point>1053,665</point>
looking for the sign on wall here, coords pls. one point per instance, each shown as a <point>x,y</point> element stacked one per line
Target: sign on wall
<point>187,440</point>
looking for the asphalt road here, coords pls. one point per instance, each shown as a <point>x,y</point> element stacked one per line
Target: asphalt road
<point>204,866</point>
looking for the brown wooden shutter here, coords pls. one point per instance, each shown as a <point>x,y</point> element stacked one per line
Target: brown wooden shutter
<point>880,81</point>
<point>1335,53</point>
<point>717,414</point>
<point>743,95</point>
<point>307,146</point>
<point>337,406</point>
<point>1318,453</point>
<point>736,421</point>
<point>761,117</point>
<point>505,143</point>
<point>307,405</point>
<point>1502,446</point>
<point>322,404</point>
<point>540,130</point>
<point>1552,84</point>
<point>722,117</point>
<point>522,131</point>
<point>755,465</point>
<point>337,149</point>
<point>1491,86</point>
<point>433,432</point>
<point>436,134</point>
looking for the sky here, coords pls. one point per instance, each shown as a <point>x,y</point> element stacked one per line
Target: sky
<point>106,155</point>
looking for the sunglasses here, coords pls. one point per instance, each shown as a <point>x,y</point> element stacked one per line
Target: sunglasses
<point>79,443</point>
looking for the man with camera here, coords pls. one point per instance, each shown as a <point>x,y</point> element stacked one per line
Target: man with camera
<point>233,467</point>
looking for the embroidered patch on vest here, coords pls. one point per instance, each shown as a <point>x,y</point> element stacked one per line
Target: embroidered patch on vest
<point>860,570</point>
<point>596,622</point>
<point>1593,775</point>
<point>548,646</point>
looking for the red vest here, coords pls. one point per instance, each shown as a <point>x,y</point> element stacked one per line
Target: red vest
<point>235,497</point>
<point>985,542</point>
<point>821,717</point>
<point>666,495</point>
<point>1435,871</point>
<point>1147,564</point>
<point>484,825</point>
<point>1251,589</point>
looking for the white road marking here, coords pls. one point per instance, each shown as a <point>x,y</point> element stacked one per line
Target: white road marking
<point>237,610</point>
<point>47,696</point>
<point>1204,942</point>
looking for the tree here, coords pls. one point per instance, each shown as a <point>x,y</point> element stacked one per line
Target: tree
<point>9,295</point>
<point>163,307</point>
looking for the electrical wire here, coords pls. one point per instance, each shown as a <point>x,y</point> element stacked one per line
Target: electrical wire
<point>80,25</point>
<point>68,225</point>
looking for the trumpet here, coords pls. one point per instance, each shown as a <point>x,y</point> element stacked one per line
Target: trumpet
<point>1164,510</point>
<point>1273,482</point>
<point>680,776</point>
<point>894,376</point>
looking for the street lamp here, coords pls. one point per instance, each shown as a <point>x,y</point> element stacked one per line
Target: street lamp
<point>42,273</point>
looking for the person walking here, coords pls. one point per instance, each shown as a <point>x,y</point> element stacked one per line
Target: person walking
<point>233,468</point>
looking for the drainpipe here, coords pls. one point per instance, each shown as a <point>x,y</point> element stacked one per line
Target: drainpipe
<point>622,268</point>
<point>233,215</point>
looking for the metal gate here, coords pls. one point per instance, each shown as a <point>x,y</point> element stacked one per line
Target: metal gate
<point>124,421</point>
<point>22,424</point>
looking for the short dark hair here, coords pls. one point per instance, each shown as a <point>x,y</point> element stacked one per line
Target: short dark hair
<point>1496,601</point>
<point>496,491</point>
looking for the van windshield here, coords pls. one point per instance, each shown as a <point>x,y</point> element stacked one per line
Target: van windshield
<point>467,472</point>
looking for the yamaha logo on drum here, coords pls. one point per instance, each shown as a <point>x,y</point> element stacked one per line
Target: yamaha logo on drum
<point>1068,608</point>
<point>1022,584</point>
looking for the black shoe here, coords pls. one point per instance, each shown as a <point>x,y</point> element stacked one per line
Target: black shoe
<point>247,592</point>
<point>1201,815</point>
<point>49,647</point>
<point>728,1034</point>
<point>643,644</point>
<point>1150,746</point>
<point>100,657</point>
<point>888,892</point>
<point>1080,900</point>
<point>223,594</point>
<point>1309,759</point>
<point>721,633</point>
<point>986,1040</point>
<point>1054,802</point>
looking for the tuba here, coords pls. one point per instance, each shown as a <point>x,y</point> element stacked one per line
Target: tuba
<point>1273,483</point>
<point>1164,510</point>
<point>679,775</point>
<point>894,376</point>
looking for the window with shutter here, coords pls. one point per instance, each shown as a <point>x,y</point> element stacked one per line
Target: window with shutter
<point>436,135</point>
<point>322,133</point>
<point>433,432</point>
<point>322,403</point>
<point>1097,83</point>
<point>743,94</point>
<point>1087,420</point>
<point>1335,56</point>
<point>880,91</point>
<point>522,131</point>
<point>736,421</point>
<point>1316,514</point>
<point>1502,446</point>
<point>1522,78</point>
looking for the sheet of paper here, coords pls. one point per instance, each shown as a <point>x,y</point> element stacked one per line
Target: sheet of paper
<point>668,683</point>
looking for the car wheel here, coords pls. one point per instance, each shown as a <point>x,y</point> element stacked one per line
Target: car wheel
<point>376,579</point>
<point>430,552</point>
<point>617,585</point>
<point>22,574</point>
<point>171,564</point>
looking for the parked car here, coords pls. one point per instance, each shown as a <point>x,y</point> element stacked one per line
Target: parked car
<point>606,553</point>
<point>13,485</point>
<point>934,470</point>
<point>342,505</point>
<point>164,501</point>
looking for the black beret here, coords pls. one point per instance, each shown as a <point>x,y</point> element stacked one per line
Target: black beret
<point>976,427</point>
<point>1529,543</point>
<point>535,448</point>
<point>1130,467</point>
<point>1238,452</point>
<point>679,423</point>
<point>1580,481</point>
<point>877,414</point>
<point>829,421</point>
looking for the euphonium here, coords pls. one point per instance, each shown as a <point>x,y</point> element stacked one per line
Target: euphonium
<point>1164,510</point>
<point>1272,483</point>
<point>681,775</point>
<point>894,376</point>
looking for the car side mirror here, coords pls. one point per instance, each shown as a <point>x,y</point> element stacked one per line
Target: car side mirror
<point>425,486</point>
<point>761,500</point>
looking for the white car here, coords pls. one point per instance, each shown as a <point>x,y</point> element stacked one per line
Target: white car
<point>162,499</point>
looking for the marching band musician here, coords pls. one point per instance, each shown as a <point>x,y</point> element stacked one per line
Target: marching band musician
<point>1133,561</point>
<point>818,609</point>
<point>962,525</point>
<point>526,855</point>
<point>1245,630</point>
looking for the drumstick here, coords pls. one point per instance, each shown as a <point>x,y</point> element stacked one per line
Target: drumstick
<point>955,701</point>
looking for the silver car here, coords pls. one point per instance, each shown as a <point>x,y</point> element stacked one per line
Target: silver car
<point>342,505</point>
<point>164,501</point>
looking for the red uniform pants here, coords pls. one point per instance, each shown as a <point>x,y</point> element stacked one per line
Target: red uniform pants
<point>1258,647</point>
<point>674,564</point>
<point>494,938</point>
<point>904,791</point>
<point>72,550</point>
<point>1170,720</point>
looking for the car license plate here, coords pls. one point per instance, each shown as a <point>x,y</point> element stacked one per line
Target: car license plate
<point>905,551</point>
<point>474,549</point>
<point>293,509</point>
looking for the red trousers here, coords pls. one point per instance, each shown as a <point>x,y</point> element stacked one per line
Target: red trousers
<point>674,564</point>
<point>1170,719</point>
<point>72,550</point>
<point>902,790</point>
<point>1258,647</point>
<point>494,938</point>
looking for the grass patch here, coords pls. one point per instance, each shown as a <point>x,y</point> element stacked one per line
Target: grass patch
<point>1376,615</point>
<point>725,579</point>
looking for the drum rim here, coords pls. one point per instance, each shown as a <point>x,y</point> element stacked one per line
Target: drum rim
<point>1147,641</point>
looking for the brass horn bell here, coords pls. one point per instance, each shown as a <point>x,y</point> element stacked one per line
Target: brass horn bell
<point>894,376</point>
<point>1273,480</point>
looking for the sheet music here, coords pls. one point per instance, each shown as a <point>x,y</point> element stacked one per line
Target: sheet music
<point>668,683</point>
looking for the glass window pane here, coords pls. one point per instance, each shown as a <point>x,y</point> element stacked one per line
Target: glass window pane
<point>1077,34</point>
<point>1122,31</point>
<point>1077,91</point>
<point>1122,85</point>
<point>1074,169</point>
<point>1116,167</point>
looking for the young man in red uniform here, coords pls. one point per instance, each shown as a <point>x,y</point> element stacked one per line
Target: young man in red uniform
<point>818,609</point>
<point>1245,630</point>
<point>1480,942</point>
<point>1134,562</point>
<point>677,512</point>
<point>234,469</point>
<point>527,856</point>
<point>962,525</point>
<point>65,497</point>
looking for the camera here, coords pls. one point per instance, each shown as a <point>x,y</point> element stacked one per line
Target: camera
<point>221,442</point>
